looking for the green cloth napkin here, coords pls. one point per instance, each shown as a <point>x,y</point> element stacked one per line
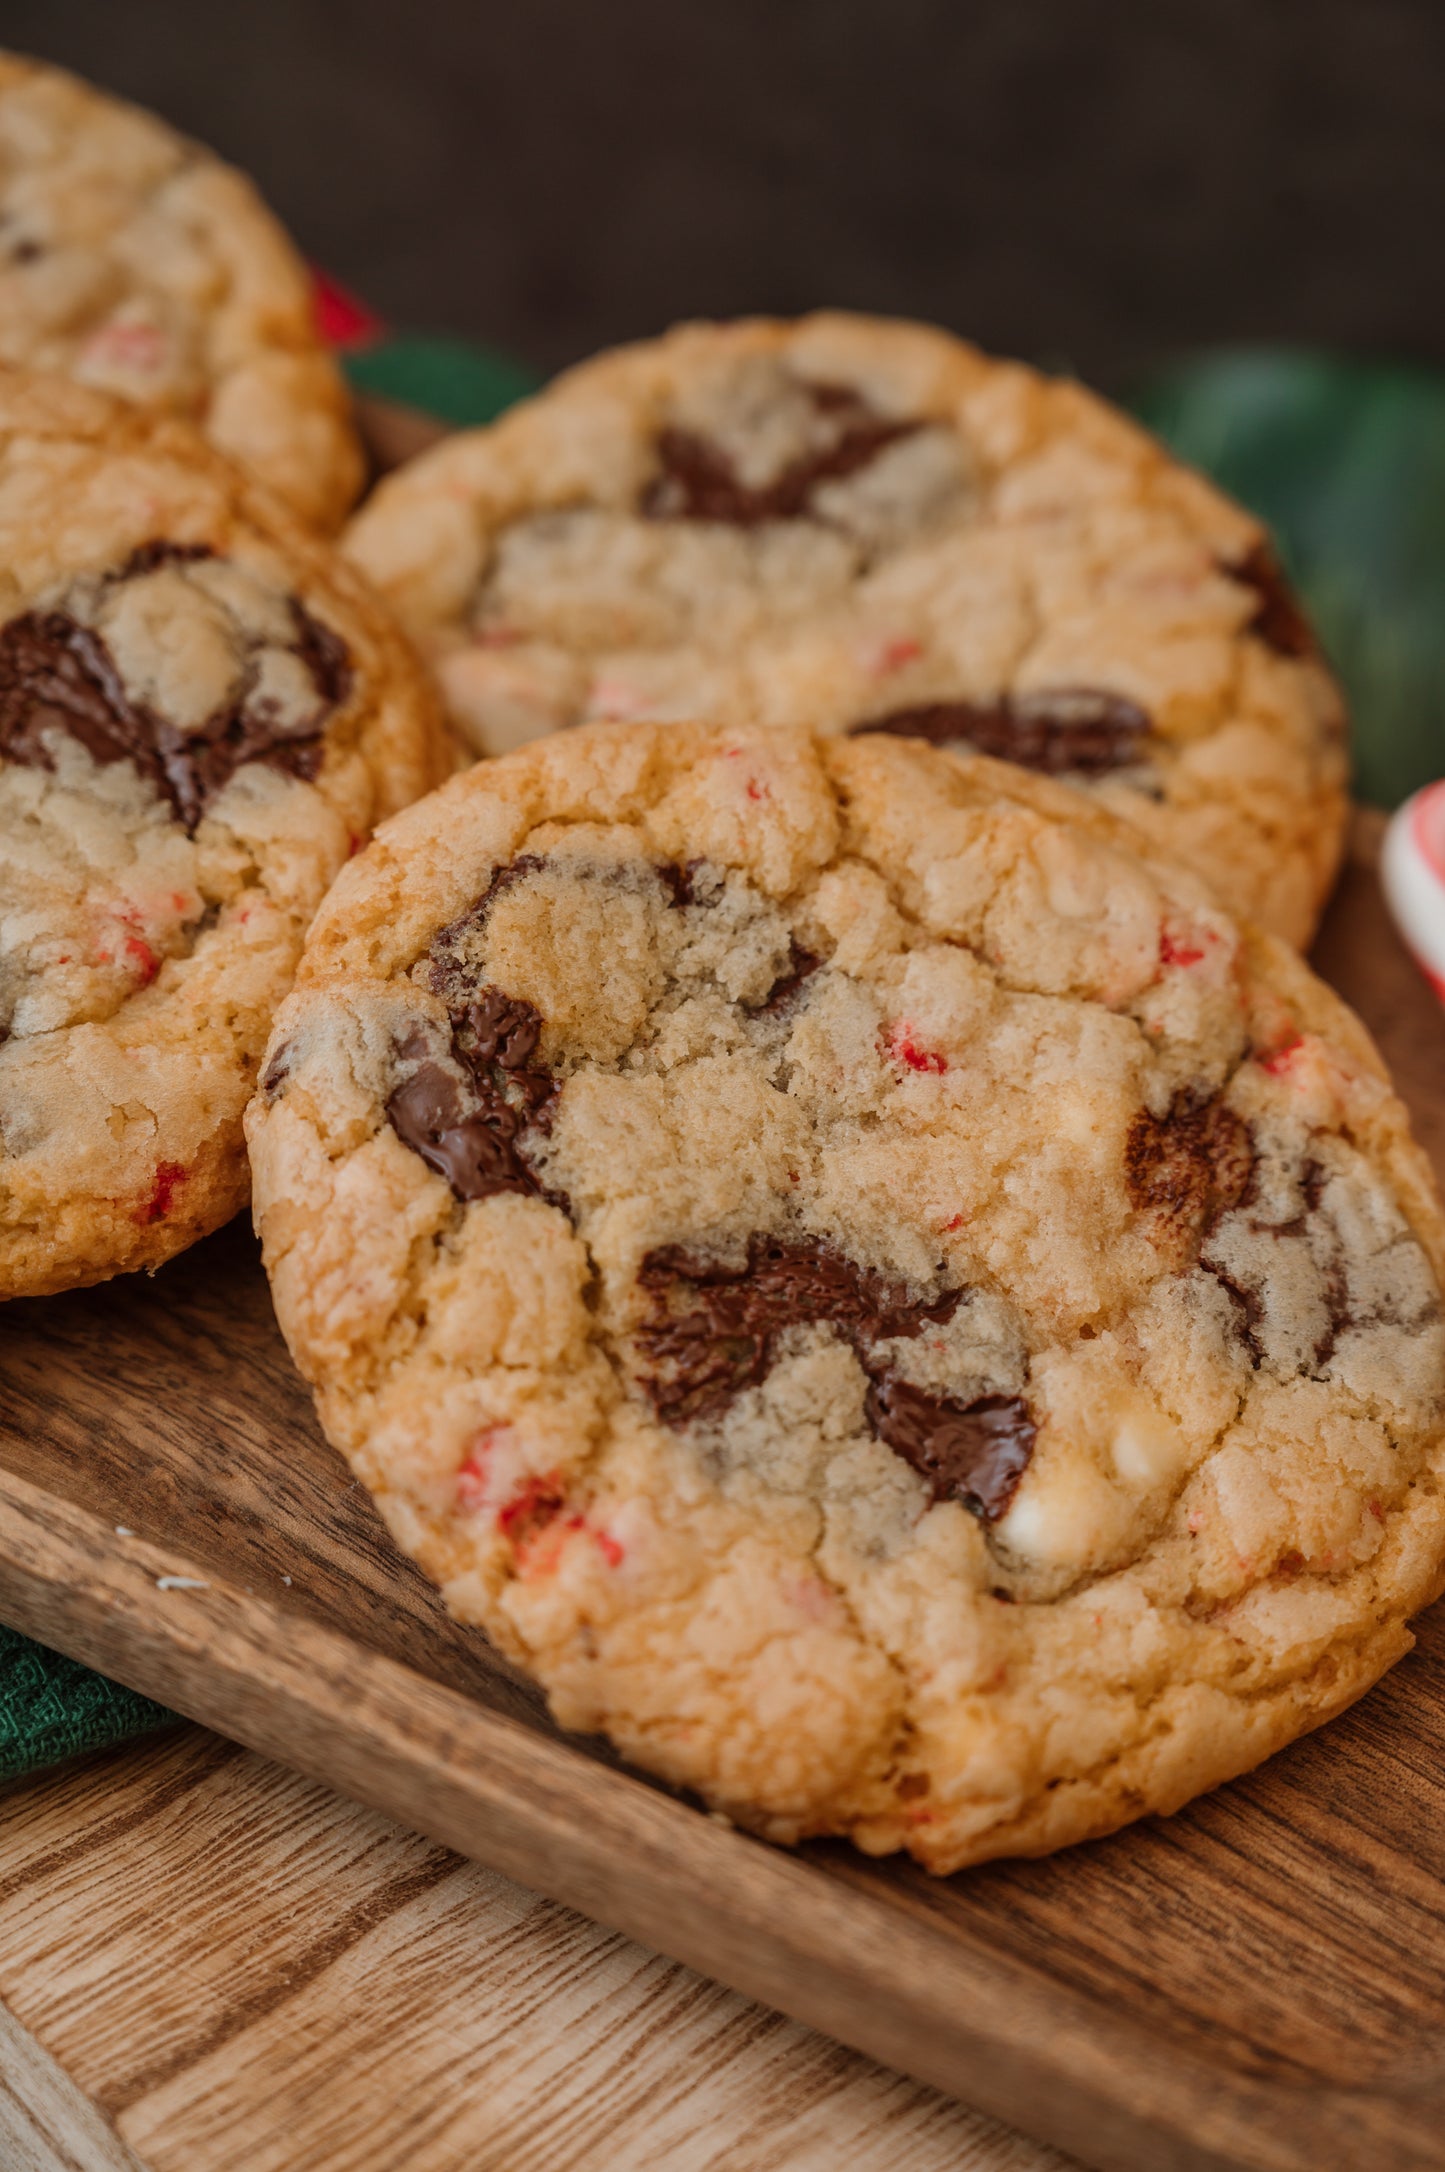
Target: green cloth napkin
<point>52,1708</point>
<point>1346,462</point>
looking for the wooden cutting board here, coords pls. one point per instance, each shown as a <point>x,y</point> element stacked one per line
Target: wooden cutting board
<point>1255,1982</point>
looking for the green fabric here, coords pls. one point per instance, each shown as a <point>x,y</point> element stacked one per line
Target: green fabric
<point>445,377</point>
<point>1345,460</point>
<point>51,1708</point>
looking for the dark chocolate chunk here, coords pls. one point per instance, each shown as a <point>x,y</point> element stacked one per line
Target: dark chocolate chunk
<point>1313,1178</point>
<point>450,972</point>
<point>57,674</point>
<point>1278,619</point>
<point>801,963</point>
<point>1248,1307</point>
<point>147,557</point>
<point>680,882</point>
<point>975,1452</point>
<point>474,1150</point>
<point>713,1326</point>
<point>324,654</point>
<point>697,481</point>
<point>1339,1312</point>
<point>1078,729</point>
<point>1193,1164</point>
<point>277,1071</point>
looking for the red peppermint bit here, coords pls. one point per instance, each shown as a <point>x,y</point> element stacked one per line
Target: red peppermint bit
<point>756,791</point>
<point>471,1488</point>
<point>955,1221</point>
<point>142,959</point>
<point>1279,1059</point>
<point>611,1550</point>
<point>1174,951</point>
<point>170,1175</point>
<point>905,1050</point>
<point>340,318</point>
<point>530,1511</point>
<point>1377,1510</point>
<point>895,654</point>
<point>473,1479</point>
<point>354,844</point>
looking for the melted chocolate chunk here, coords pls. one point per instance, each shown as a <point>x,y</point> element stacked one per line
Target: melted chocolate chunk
<point>475,1144</point>
<point>697,480</point>
<point>1339,1304</point>
<point>56,674</point>
<point>496,1037</point>
<point>1278,619</point>
<point>1081,729</point>
<point>975,1452</point>
<point>474,1150</point>
<point>713,1326</point>
<point>474,1138</point>
<point>1193,1164</point>
<point>501,1029</point>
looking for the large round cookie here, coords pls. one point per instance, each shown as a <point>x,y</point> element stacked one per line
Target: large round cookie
<point>135,261</point>
<point>871,525</point>
<point>202,711</point>
<point>887,1304</point>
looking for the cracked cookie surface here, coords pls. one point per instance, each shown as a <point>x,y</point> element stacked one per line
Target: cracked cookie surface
<point>136,262</point>
<point>886,1302</point>
<point>870,526</point>
<point>202,710</point>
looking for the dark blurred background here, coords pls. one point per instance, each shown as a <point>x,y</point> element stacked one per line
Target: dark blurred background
<point>1098,184</point>
<point>1083,183</point>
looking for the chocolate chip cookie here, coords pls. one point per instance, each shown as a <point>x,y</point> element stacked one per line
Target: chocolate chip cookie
<point>888,1303</point>
<point>871,527</point>
<point>202,711</point>
<point>135,261</point>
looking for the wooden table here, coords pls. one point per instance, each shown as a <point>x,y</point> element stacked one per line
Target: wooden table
<point>208,1964</point>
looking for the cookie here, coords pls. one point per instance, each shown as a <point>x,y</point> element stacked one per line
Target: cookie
<point>886,1303</point>
<point>870,525</point>
<point>202,711</point>
<point>136,262</point>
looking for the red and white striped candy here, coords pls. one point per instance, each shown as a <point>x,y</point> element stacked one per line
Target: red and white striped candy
<point>1412,870</point>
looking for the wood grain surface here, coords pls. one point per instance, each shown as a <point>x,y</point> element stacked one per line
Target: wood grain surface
<point>230,1969</point>
<point>1253,1983</point>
